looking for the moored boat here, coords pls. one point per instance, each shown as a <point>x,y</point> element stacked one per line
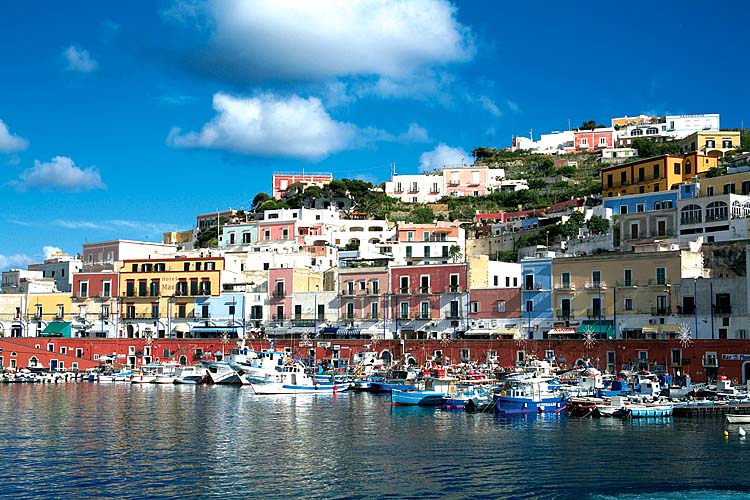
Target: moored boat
<point>733,418</point>
<point>194,374</point>
<point>529,395</point>
<point>292,379</point>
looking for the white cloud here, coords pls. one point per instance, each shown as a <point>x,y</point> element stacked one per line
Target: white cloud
<point>489,105</point>
<point>513,106</point>
<point>50,251</point>
<point>10,143</point>
<point>302,40</point>
<point>442,156</point>
<point>60,174</point>
<point>295,127</point>
<point>14,261</point>
<point>79,60</point>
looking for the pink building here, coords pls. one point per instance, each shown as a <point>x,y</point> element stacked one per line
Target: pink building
<point>362,293</point>
<point>101,284</point>
<point>428,292</point>
<point>280,290</point>
<point>276,231</point>
<point>594,140</point>
<point>466,181</point>
<point>494,303</point>
<point>282,182</point>
<point>102,256</point>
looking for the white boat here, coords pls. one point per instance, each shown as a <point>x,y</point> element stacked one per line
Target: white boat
<point>259,366</point>
<point>224,372</point>
<point>292,379</point>
<point>145,375</point>
<point>194,374</point>
<point>737,419</point>
<point>165,374</point>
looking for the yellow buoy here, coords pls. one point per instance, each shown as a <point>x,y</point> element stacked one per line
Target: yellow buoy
<point>726,433</point>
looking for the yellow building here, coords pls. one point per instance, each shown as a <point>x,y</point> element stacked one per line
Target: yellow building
<point>651,175</point>
<point>738,183</point>
<point>180,238</point>
<point>711,143</point>
<point>151,289</point>
<point>29,315</point>
<point>626,292</point>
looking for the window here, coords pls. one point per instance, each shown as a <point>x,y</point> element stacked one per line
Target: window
<point>427,250</point>
<point>424,284</point>
<point>676,357</point>
<point>445,251</point>
<point>408,251</point>
<point>426,236</point>
<point>710,191</point>
<point>710,143</point>
<point>745,187</point>
<point>623,178</point>
<point>474,307</point>
<point>596,278</point>
<point>501,306</point>
<point>142,288</point>
<point>529,306</point>
<point>602,141</point>
<point>374,310</point>
<point>726,143</point>
<point>584,141</point>
<point>84,289</point>
<point>375,284</point>
<point>496,281</point>
<point>154,289</point>
<point>105,310</point>
<point>691,214</point>
<point>661,275</point>
<point>641,207</point>
<point>628,304</point>
<point>362,285</point>
<point>729,188</point>
<point>628,277</point>
<point>528,281</point>
<point>677,168</point>
<point>349,310</point>
<point>610,181</point>
<point>641,174</point>
<point>688,168</point>
<point>424,310</point>
<point>404,310</point>
<point>410,236</point>
<point>565,280</point>
<point>454,284</point>
<point>717,210</point>
<point>106,288</point>
<point>404,284</point>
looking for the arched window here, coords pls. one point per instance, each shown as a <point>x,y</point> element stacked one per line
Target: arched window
<point>746,209</point>
<point>691,214</point>
<point>636,131</point>
<point>736,210</point>
<point>717,210</point>
<point>652,131</point>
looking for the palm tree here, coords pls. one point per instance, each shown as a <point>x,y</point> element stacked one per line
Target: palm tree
<point>454,252</point>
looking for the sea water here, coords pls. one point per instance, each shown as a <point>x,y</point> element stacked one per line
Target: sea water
<point>89,440</point>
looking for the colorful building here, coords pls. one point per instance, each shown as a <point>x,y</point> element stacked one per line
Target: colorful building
<point>282,182</point>
<point>594,140</point>
<point>652,175</point>
<point>711,143</point>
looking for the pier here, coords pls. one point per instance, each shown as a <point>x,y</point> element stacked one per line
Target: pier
<point>711,410</point>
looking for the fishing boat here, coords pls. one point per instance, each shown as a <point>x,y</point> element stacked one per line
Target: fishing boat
<point>145,375</point>
<point>529,395</point>
<point>365,383</point>
<point>292,379</point>
<point>733,418</point>
<point>194,374</point>
<point>165,374</point>
<point>256,366</point>
<point>463,394</point>
<point>401,380</point>
<point>427,392</point>
<point>644,411</point>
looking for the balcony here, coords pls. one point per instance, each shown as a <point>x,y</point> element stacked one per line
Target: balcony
<point>453,315</point>
<point>373,316</point>
<point>710,362</point>
<point>434,191</point>
<point>413,189</point>
<point>566,285</point>
<point>453,289</point>
<point>278,294</point>
<point>454,183</point>
<point>723,309</point>
<point>690,309</point>
<point>564,313</point>
<point>279,317</point>
<point>627,283</point>
<point>596,285</point>
<point>658,282</point>
<point>424,289</point>
<point>403,290</point>
<point>661,311</point>
<point>398,190</point>
<point>595,313</point>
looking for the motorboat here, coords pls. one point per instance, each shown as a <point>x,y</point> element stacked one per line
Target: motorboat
<point>427,392</point>
<point>530,395</point>
<point>292,379</point>
<point>732,418</point>
<point>395,379</point>
<point>193,374</point>
<point>462,394</point>
<point>255,366</point>
<point>165,374</point>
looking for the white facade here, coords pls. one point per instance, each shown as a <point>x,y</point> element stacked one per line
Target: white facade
<point>679,126</point>
<point>551,143</point>
<point>367,232</point>
<point>716,218</point>
<point>60,269</point>
<point>504,274</point>
<point>420,188</point>
<point>511,185</point>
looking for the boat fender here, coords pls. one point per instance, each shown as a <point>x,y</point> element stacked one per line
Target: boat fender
<point>503,393</point>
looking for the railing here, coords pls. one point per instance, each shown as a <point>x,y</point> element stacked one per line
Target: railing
<point>661,311</point>
<point>279,317</point>
<point>424,289</point>
<point>686,309</point>
<point>594,313</point>
<point>454,183</point>
<point>566,285</point>
<point>722,309</point>
<point>453,288</point>
<point>564,313</point>
<point>627,283</point>
<point>595,284</point>
<point>398,190</point>
<point>278,294</point>
<point>452,315</point>
<point>403,290</point>
<point>658,282</point>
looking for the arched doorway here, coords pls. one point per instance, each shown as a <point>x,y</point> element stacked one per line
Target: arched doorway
<point>33,362</point>
<point>411,360</point>
<point>745,372</point>
<point>183,360</point>
<point>387,357</point>
<point>131,331</point>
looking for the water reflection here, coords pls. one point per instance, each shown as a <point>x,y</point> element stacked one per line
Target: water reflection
<point>92,440</point>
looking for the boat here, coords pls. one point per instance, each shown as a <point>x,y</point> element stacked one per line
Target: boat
<point>165,374</point>
<point>529,395</point>
<point>463,394</point>
<point>224,372</point>
<point>256,366</point>
<point>292,379</point>
<point>644,411</point>
<point>145,375</point>
<point>427,392</point>
<point>194,374</point>
<point>365,383</point>
<point>401,380</point>
<point>733,418</point>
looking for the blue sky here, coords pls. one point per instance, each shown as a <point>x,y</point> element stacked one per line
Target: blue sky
<point>127,121</point>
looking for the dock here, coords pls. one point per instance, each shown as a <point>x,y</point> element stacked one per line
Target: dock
<point>711,410</point>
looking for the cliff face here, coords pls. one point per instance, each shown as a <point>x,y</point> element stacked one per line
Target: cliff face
<point>726,260</point>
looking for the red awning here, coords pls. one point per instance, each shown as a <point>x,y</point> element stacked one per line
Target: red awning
<point>561,331</point>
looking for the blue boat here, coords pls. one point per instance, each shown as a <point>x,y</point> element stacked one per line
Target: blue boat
<point>396,379</point>
<point>427,392</point>
<point>616,387</point>
<point>530,395</point>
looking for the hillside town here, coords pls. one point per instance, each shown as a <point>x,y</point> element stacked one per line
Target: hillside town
<point>648,269</point>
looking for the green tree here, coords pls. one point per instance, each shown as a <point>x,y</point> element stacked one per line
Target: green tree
<point>258,200</point>
<point>537,184</point>
<point>571,227</point>
<point>454,252</point>
<point>590,125</point>
<point>598,225</point>
<point>422,215</point>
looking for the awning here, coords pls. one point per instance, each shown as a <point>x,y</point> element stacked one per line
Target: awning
<point>661,329</point>
<point>506,331</point>
<point>561,331</point>
<point>214,329</point>
<point>180,328</point>
<point>603,327</point>
<point>57,329</point>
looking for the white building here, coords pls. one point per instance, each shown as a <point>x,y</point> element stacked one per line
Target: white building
<point>679,126</point>
<point>552,143</point>
<point>60,268</point>
<point>417,188</point>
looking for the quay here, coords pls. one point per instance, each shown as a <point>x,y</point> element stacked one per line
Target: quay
<point>711,410</point>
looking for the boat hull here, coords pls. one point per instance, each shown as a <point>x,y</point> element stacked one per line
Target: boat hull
<point>416,398</point>
<point>277,388</point>
<point>510,405</point>
<point>737,419</point>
